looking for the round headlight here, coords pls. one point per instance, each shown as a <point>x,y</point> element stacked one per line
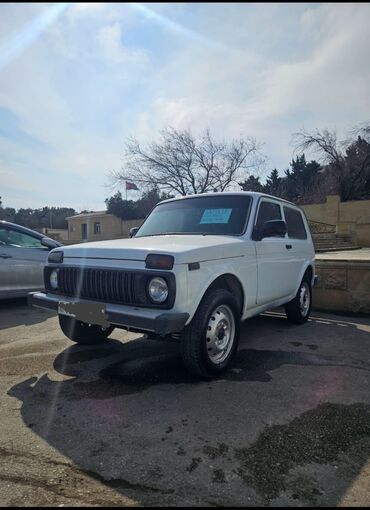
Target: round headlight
<point>54,279</point>
<point>158,290</point>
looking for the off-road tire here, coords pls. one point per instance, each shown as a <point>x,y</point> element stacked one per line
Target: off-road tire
<point>294,312</point>
<point>83,333</point>
<point>194,347</point>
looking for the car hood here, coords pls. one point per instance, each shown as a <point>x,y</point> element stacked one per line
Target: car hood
<point>184,248</point>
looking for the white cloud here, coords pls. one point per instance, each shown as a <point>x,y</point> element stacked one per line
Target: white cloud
<point>328,87</point>
<point>336,76</point>
<point>102,72</point>
<point>110,40</point>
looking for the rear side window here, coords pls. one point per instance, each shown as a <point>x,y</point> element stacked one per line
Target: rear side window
<point>294,222</point>
<point>268,211</point>
<point>16,239</point>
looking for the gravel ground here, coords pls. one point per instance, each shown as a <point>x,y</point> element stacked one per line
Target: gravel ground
<point>124,424</point>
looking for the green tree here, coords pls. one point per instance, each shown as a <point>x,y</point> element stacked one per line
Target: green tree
<point>124,209</point>
<point>7,214</point>
<point>130,209</point>
<point>347,163</point>
<point>273,183</point>
<point>300,183</point>
<point>252,184</point>
<point>54,217</point>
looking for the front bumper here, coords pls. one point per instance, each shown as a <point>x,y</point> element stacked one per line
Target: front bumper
<point>129,317</point>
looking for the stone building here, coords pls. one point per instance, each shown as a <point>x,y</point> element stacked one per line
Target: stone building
<point>98,226</point>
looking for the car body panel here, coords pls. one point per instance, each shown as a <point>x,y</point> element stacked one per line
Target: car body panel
<point>268,272</point>
<point>184,248</point>
<point>21,268</point>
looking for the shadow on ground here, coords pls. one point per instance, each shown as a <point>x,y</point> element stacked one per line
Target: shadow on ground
<point>114,414</point>
<point>16,312</point>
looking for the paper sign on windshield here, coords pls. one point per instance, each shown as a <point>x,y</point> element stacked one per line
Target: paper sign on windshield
<point>215,216</point>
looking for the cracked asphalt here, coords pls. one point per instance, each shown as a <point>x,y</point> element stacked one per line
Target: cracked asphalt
<point>123,424</point>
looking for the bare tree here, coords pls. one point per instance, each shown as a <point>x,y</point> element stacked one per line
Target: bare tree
<point>180,163</point>
<point>347,162</point>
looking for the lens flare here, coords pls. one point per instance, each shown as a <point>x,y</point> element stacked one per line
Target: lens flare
<point>175,27</point>
<point>21,39</point>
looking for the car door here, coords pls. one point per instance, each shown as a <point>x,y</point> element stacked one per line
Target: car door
<point>274,278</point>
<point>22,259</point>
<point>6,284</point>
<point>297,241</point>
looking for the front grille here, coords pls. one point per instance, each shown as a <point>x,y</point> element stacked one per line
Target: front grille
<point>113,286</point>
<point>108,285</point>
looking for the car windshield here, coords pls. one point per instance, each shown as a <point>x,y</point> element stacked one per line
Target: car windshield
<point>213,215</point>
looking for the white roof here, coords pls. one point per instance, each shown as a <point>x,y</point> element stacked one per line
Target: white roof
<point>223,193</point>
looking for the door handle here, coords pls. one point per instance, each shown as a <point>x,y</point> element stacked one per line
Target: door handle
<point>3,256</point>
<point>288,246</point>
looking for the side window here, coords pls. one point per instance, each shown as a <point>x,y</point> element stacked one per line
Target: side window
<point>294,222</point>
<point>4,236</point>
<point>268,211</point>
<point>20,240</point>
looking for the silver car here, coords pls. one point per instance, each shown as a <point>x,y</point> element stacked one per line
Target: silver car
<point>23,255</point>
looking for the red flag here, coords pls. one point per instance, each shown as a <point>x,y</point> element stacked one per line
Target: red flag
<point>131,185</point>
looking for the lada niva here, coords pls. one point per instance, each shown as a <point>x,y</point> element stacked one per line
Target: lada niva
<point>196,268</point>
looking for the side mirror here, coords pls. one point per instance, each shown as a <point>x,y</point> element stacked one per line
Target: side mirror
<point>272,228</point>
<point>50,243</point>
<point>133,231</point>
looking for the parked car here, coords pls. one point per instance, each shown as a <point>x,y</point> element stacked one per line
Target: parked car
<point>23,255</point>
<point>196,267</point>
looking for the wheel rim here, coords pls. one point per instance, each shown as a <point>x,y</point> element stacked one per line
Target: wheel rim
<point>220,334</point>
<point>304,298</point>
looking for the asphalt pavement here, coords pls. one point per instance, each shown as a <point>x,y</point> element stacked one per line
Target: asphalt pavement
<point>124,424</point>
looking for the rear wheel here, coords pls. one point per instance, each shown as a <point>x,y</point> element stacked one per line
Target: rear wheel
<point>83,333</point>
<point>298,310</point>
<point>209,342</point>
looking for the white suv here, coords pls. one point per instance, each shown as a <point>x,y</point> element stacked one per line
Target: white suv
<point>196,267</point>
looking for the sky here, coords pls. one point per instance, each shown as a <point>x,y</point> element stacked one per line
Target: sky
<point>77,79</point>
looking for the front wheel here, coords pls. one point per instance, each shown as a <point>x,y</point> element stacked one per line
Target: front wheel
<point>210,341</point>
<point>298,310</point>
<point>83,333</point>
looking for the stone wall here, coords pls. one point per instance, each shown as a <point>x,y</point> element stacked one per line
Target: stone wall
<point>351,218</point>
<point>343,286</point>
<point>59,234</point>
